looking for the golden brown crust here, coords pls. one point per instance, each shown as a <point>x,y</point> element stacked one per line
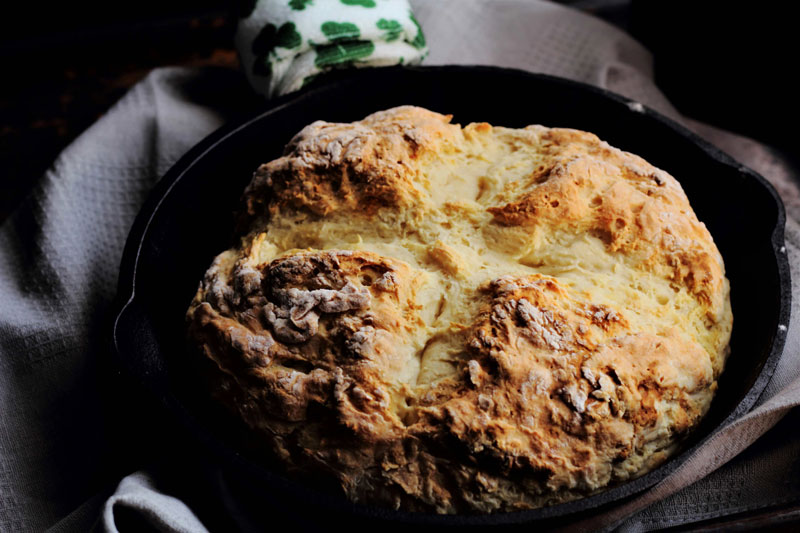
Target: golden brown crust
<point>268,333</point>
<point>637,209</point>
<point>465,319</point>
<point>365,165</point>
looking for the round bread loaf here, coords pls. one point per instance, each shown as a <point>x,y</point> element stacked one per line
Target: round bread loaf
<point>470,319</point>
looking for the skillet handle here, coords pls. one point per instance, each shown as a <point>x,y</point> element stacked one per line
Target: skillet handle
<point>136,349</point>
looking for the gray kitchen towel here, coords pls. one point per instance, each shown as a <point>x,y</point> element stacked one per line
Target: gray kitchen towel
<point>59,259</point>
<point>59,256</point>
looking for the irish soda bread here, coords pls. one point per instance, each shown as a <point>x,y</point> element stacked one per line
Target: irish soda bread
<point>470,319</point>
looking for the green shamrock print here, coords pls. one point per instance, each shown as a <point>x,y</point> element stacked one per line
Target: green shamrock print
<point>362,3</point>
<point>337,31</point>
<point>270,38</point>
<point>299,5</point>
<point>419,40</point>
<point>343,53</point>
<point>392,27</point>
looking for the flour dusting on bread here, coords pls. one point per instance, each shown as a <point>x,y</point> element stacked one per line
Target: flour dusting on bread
<point>465,319</point>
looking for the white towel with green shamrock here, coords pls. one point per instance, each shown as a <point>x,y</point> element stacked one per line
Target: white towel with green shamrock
<point>284,44</point>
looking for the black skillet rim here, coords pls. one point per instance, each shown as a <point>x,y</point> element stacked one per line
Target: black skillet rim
<point>126,294</point>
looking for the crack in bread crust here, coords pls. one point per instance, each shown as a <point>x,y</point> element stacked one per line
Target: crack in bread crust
<point>470,319</point>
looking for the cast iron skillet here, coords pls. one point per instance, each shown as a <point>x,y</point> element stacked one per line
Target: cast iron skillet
<point>188,220</point>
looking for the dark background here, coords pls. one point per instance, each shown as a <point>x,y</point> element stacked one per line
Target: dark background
<point>65,63</point>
